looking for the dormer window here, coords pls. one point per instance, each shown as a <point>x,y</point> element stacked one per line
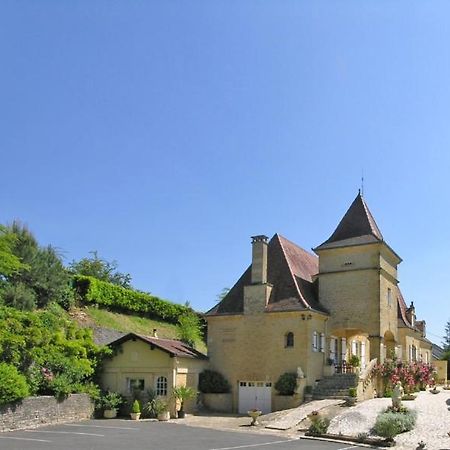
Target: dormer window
<point>289,339</point>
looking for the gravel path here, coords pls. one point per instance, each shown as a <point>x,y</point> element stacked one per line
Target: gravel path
<point>433,420</point>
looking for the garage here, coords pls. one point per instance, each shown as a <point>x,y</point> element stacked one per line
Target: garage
<point>255,395</point>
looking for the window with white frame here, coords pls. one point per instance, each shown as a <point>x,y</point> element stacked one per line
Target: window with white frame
<point>135,384</point>
<point>322,342</point>
<point>161,386</point>
<point>315,342</point>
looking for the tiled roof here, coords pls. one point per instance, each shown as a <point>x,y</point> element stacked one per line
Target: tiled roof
<point>171,346</point>
<point>357,222</point>
<point>290,270</point>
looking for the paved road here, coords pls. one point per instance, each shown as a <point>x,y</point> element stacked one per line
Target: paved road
<point>126,435</point>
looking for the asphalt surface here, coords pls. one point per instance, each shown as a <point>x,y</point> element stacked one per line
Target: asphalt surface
<point>128,435</point>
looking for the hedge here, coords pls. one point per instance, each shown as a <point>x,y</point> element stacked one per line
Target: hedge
<point>91,290</point>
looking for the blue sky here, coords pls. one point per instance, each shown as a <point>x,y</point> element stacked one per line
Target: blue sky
<point>163,134</point>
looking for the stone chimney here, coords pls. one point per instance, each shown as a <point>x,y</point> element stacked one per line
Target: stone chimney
<point>411,314</point>
<point>256,294</point>
<point>259,259</point>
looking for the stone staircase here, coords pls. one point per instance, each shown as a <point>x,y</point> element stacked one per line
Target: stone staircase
<point>335,386</point>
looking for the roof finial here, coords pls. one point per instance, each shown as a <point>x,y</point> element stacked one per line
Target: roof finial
<point>361,191</point>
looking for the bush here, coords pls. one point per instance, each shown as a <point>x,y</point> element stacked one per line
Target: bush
<point>136,408</point>
<point>390,423</point>
<point>212,382</point>
<point>286,383</point>
<point>13,385</point>
<point>319,426</point>
<point>91,290</point>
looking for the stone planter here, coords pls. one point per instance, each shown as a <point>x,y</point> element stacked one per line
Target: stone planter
<point>135,416</point>
<point>254,414</point>
<point>164,416</point>
<point>218,402</point>
<point>110,413</point>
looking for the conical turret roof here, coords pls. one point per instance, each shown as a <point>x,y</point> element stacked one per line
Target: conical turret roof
<point>357,222</point>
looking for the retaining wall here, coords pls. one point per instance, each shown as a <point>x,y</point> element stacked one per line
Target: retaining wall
<point>33,412</point>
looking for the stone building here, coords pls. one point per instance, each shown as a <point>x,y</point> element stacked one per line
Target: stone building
<point>294,311</point>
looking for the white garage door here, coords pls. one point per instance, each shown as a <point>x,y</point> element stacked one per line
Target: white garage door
<point>255,395</point>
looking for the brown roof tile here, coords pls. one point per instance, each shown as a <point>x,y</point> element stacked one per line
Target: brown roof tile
<point>290,271</point>
<point>357,222</point>
<point>171,346</point>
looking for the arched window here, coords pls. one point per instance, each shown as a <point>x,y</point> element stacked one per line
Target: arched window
<point>289,339</point>
<point>161,386</point>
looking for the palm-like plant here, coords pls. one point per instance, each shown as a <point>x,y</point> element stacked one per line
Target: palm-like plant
<point>183,393</point>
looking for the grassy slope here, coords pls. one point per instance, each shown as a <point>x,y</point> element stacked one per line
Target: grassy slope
<point>134,324</point>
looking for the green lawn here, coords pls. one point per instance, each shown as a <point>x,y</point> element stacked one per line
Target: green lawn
<point>134,324</point>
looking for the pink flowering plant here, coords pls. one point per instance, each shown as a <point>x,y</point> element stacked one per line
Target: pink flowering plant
<point>413,375</point>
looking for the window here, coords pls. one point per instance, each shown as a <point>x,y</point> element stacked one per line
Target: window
<point>289,339</point>
<point>389,297</point>
<point>161,386</point>
<point>315,342</point>
<point>135,384</point>
<point>322,342</point>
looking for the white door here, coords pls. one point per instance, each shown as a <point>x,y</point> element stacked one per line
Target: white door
<point>255,395</point>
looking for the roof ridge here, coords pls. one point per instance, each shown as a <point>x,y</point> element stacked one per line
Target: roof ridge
<point>305,303</point>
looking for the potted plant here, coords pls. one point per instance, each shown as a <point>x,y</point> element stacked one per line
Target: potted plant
<point>354,361</point>
<point>183,393</point>
<point>109,402</point>
<point>352,396</point>
<point>160,408</point>
<point>135,410</point>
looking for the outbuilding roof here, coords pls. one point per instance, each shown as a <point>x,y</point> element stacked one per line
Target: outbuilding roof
<point>171,346</point>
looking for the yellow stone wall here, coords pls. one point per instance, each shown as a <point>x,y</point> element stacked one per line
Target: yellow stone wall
<point>252,347</point>
<point>136,360</point>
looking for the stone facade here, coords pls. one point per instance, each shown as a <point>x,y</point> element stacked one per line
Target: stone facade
<point>34,412</point>
<point>139,360</point>
<point>341,303</point>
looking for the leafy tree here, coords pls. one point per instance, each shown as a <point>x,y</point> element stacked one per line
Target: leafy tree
<point>53,353</point>
<point>9,262</point>
<point>13,385</point>
<point>189,329</point>
<point>19,296</point>
<point>101,269</point>
<point>43,273</point>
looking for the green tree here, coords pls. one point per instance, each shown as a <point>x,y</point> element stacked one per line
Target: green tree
<point>189,329</point>
<point>101,269</point>
<point>9,262</point>
<point>44,273</point>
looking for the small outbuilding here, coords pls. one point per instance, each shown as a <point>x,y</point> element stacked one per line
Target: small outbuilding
<point>140,363</point>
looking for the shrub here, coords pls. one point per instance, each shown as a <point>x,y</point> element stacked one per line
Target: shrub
<point>13,385</point>
<point>212,382</point>
<point>136,408</point>
<point>286,383</point>
<point>389,423</point>
<point>91,290</point>
<point>352,392</point>
<point>109,400</point>
<point>319,426</point>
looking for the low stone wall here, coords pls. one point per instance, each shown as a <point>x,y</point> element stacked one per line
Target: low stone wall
<point>218,402</point>
<point>33,412</point>
<point>281,402</point>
